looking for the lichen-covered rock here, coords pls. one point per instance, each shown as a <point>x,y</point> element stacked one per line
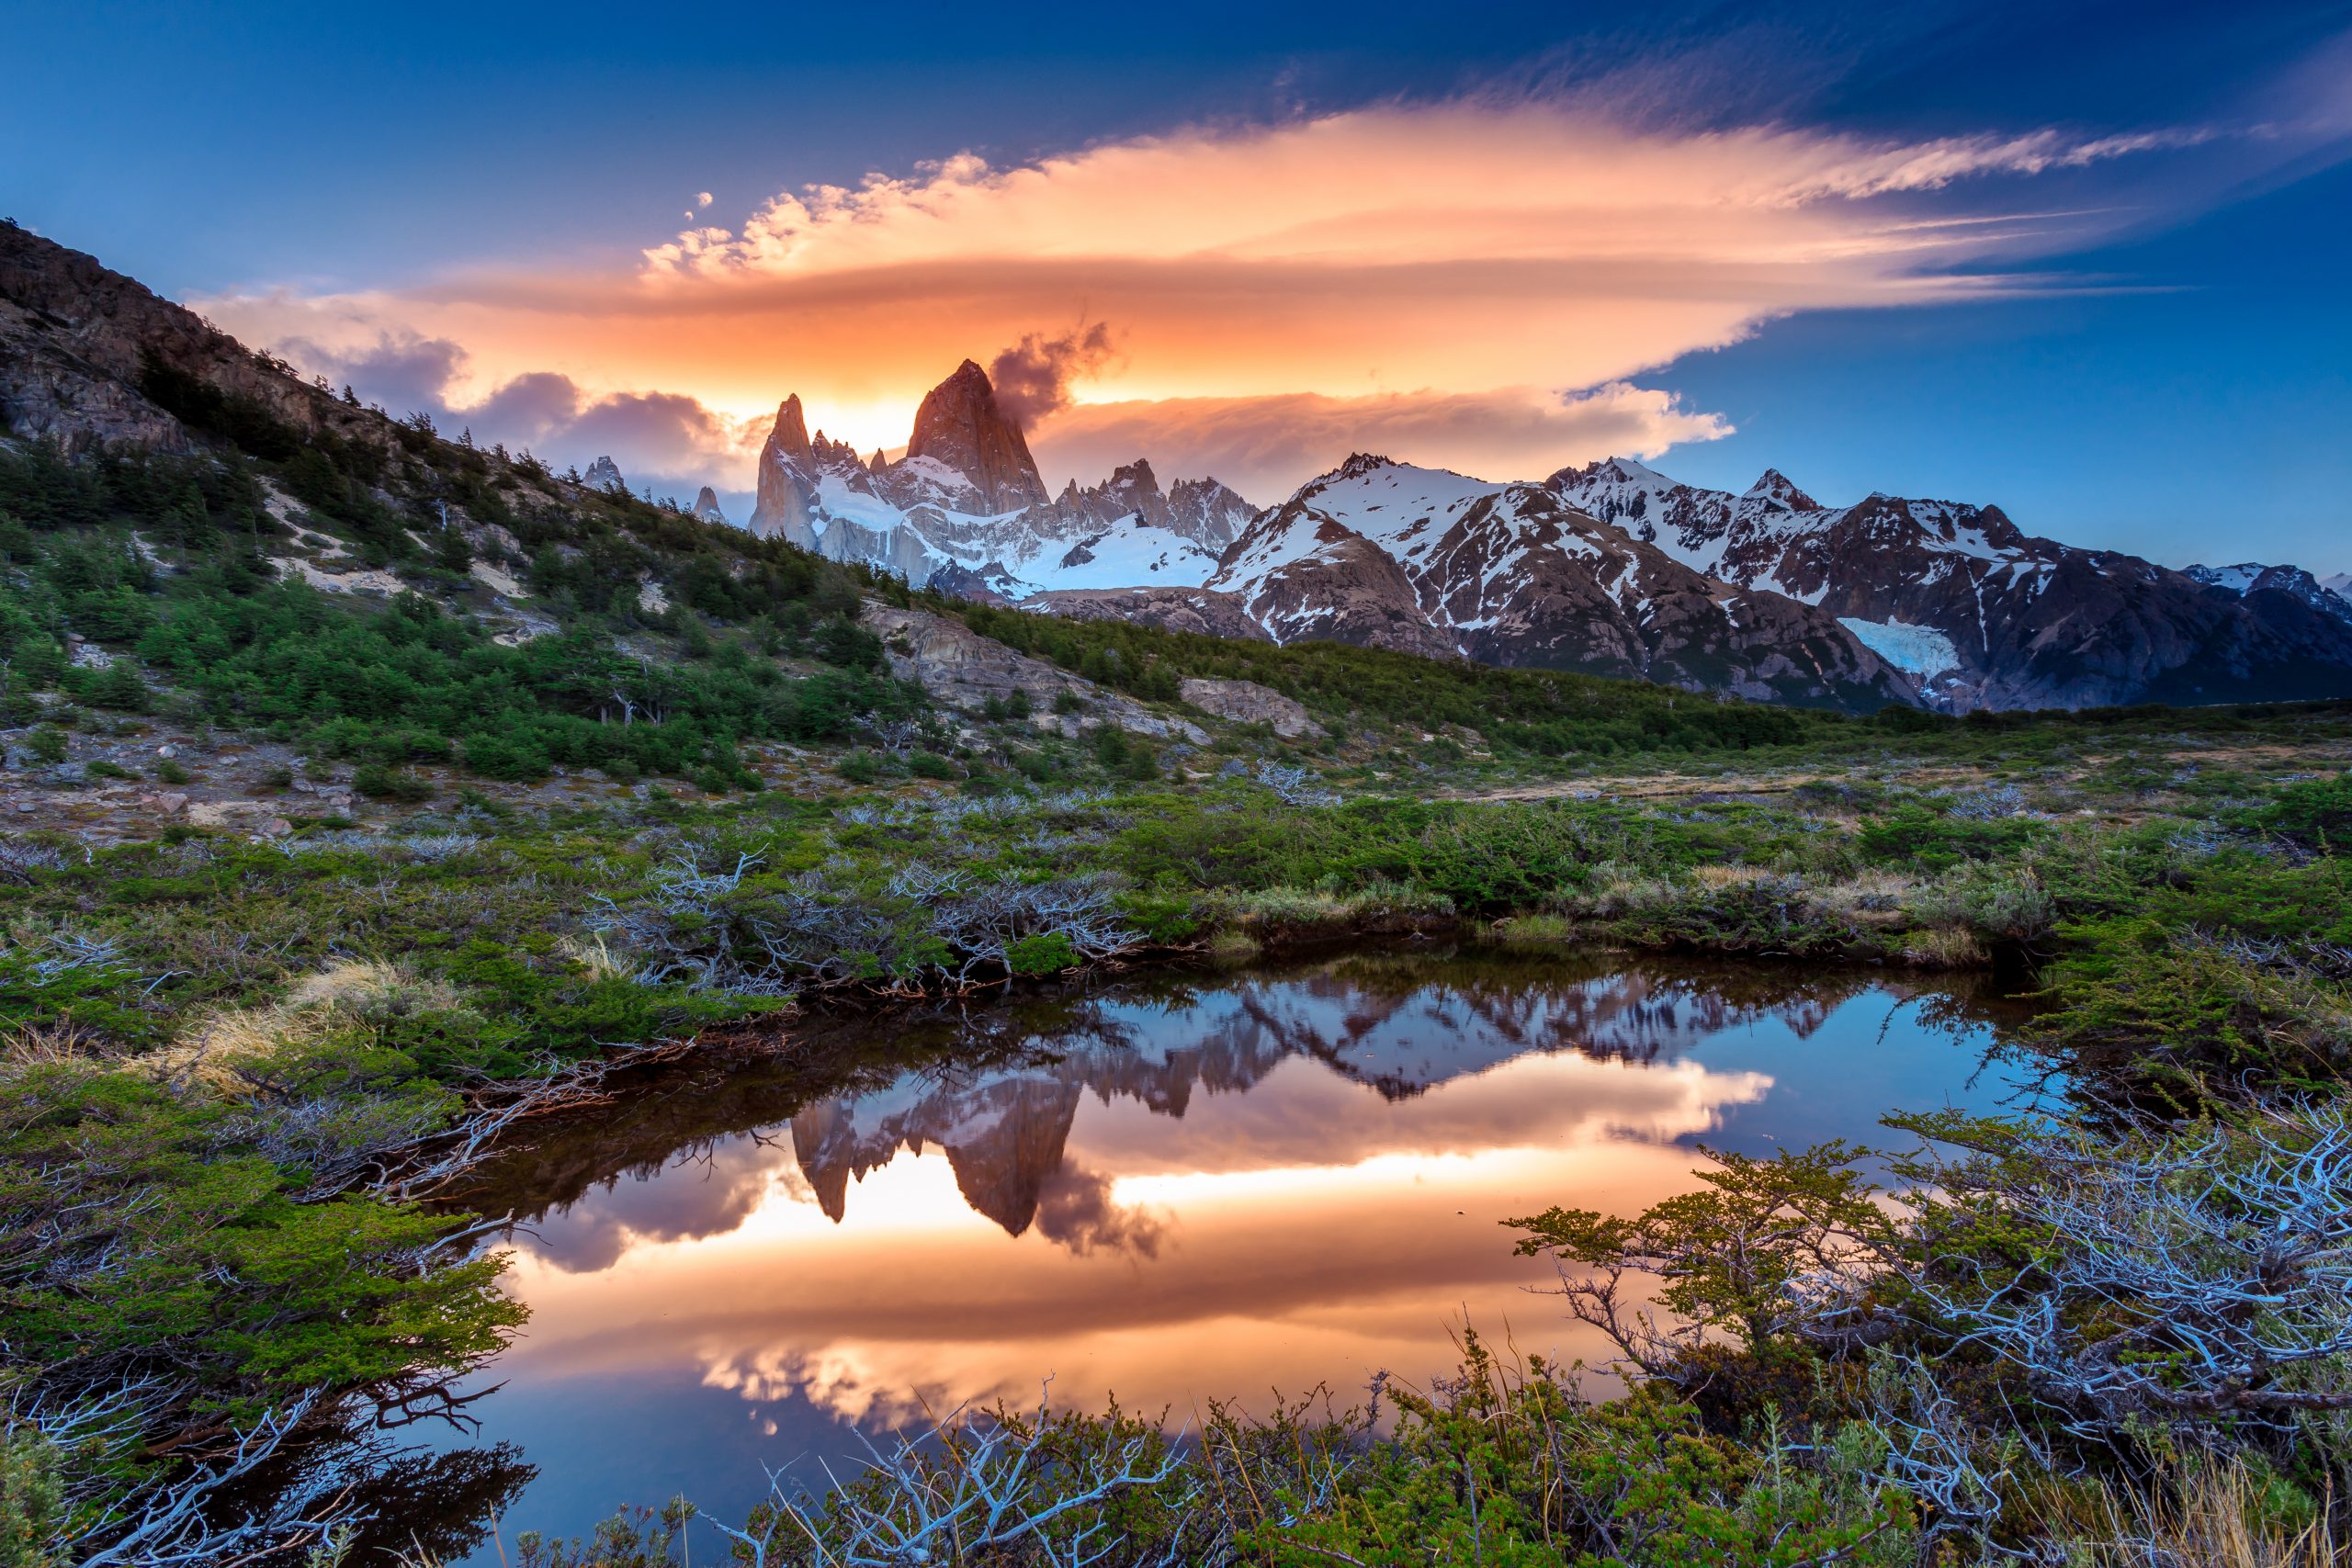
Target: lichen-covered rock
<point>1246,701</point>
<point>959,667</point>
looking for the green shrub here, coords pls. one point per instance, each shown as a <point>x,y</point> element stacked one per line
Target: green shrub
<point>2316,813</point>
<point>378,782</point>
<point>1048,953</point>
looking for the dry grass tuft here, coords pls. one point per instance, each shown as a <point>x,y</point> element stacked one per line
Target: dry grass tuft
<point>1945,947</point>
<point>592,954</point>
<point>213,1055</point>
<point>2212,1516</point>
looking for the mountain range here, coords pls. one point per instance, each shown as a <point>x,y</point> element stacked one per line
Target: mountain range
<point>1611,569</point>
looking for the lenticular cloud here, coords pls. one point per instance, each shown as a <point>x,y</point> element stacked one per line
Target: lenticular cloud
<point>1391,265</point>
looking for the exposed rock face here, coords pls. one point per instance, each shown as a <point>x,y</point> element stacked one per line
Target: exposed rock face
<point>1424,561</point>
<point>706,506</point>
<point>77,340</point>
<point>962,669</point>
<point>1988,615</point>
<point>1246,701</point>
<point>1201,611</point>
<point>783,507</point>
<point>603,474</point>
<point>960,427</point>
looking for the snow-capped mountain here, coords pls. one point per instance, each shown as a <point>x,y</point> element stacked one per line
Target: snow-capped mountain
<point>603,474</point>
<point>2332,597</point>
<point>1981,613</point>
<point>1433,562</point>
<point>706,506</point>
<point>965,510</point>
<point>1609,568</point>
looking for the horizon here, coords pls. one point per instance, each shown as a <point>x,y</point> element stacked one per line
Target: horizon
<point>2078,262</point>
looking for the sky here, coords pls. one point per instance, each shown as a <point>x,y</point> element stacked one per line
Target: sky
<point>2085,261</point>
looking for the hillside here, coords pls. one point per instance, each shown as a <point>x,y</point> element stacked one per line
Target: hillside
<point>195,536</point>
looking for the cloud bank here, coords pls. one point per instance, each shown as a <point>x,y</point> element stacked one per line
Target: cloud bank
<point>667,441</point>
<point>1470,284</point>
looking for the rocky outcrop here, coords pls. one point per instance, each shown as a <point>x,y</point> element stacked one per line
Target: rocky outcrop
<point>705,507</point>
<point>1200,611</point>
<point>606,475</point>
<point>1246,701</point>
<point>961,428</point>
<point>90,357</point>
<point>962,668</point>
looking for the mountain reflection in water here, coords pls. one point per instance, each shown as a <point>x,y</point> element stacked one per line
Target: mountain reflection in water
<point>1169,1190</point>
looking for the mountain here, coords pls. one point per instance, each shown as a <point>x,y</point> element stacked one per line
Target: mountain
<point>603,474</point>
<point>1982,614</point>
<point>1432,562</point>
<point>2332,597</point>
<point>964,510</point>
<point>705,507</point>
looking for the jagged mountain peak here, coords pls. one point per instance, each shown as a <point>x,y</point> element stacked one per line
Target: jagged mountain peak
<point>790,434</point>
<point>961,426</point>
<point>603,474</point>
<point>706,506</point>
<point>1775,486</point>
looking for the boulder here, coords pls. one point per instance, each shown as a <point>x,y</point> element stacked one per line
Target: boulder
<point>1246,701</point>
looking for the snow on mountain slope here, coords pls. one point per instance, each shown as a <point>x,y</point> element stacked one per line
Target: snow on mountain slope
<point>1433,562</point>
<point>966,509</point>
<point>2253,577</point>
<point>2030,622</point>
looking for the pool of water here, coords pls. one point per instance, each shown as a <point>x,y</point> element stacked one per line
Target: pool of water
<point>1168,1189</point>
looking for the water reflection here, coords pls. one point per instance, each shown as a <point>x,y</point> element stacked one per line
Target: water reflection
<point>1171,1190</point>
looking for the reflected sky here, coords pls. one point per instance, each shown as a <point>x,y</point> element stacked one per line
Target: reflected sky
<point>1169,1193</point>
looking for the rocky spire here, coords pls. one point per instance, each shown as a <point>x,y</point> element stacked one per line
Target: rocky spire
<point>603,474</point>
<point>960,426</point>
<point>706,506</point>
<point>787,481</point>
<point>791,433</point>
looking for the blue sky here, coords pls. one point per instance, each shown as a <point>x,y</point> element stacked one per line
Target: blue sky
<point>2163,369</point>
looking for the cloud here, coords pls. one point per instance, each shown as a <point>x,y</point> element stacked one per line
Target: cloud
<point>1264,447</point>
<point>1076,1209</point>
<point>665,441</point>
<point>1398,259</point>
<point>1033,377</point>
